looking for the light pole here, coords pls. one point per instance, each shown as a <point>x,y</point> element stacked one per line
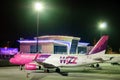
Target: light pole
<point>102,26</point>
<point>39,7</point>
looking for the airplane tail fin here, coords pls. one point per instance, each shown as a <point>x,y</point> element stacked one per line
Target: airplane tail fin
<point>100,46</point>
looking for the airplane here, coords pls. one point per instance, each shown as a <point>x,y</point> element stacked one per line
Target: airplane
<point>45,61</point>
<point>115,58</point>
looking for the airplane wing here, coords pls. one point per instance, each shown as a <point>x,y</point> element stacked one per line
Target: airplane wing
<point>99,59</point>
<point>103,60</point>
<point>46,65</point>
<point>36,65</point>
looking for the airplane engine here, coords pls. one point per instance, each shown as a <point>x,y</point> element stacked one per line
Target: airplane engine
<point>32,67</point>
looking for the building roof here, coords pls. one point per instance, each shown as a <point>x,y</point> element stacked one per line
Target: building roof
<point>57,37</point>
<point>61,42</point>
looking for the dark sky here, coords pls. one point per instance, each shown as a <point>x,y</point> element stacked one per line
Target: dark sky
<point>62,17</point>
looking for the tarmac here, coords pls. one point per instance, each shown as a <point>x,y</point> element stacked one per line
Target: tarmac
<point>106,72</point>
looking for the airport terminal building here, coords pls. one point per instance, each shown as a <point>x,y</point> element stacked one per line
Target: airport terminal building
<point>54,44</point>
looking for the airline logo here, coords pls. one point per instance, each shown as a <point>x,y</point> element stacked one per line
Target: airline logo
<point>68,59</point>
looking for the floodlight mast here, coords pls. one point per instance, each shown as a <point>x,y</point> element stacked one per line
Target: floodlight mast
<point>39,7</point>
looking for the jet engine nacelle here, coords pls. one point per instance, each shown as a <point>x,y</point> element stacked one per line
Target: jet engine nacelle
<point>32,67</point>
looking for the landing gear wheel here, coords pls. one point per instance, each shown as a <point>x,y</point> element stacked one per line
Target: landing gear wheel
<point>97,65</point>
<point>46,71</point>
<point>92,65</point>
<point>21,67</point>
<point>57,70</point>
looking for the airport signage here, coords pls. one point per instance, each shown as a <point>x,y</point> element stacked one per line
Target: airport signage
<point>8,51</point>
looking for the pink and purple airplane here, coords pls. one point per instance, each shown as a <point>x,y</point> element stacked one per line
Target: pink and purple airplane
<point>46,61</point>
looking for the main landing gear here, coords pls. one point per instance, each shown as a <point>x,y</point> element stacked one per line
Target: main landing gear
<point>46,70</point>
<point>95,66</point>
<point>56,70</point>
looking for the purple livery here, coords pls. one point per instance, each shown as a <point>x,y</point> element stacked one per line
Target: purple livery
<point>100,46</point>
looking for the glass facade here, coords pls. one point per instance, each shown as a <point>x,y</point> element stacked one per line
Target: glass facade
<point>60,49</point>
<point>82,50</point>
<point>74,45</point>
<point>33,49</point>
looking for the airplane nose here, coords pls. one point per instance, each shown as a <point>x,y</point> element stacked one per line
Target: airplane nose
<point>11,60</point>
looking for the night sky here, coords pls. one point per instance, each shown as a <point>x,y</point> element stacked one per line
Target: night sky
<point>60,17</point>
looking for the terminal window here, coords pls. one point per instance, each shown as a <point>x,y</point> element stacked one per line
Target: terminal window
<point>33,49</point>
<point>73,46</point>
<point>60,49</point>
<point>82,50</point>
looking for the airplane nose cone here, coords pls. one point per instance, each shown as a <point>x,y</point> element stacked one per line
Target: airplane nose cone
<point>11,60</point>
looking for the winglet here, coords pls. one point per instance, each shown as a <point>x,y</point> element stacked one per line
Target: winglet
<point>100,45</point>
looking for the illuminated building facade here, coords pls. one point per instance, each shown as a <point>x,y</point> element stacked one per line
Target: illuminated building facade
<point>54,44</point>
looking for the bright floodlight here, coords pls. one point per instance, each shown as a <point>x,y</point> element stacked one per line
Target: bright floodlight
<point>103,25</point>
<point>39,6</point>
